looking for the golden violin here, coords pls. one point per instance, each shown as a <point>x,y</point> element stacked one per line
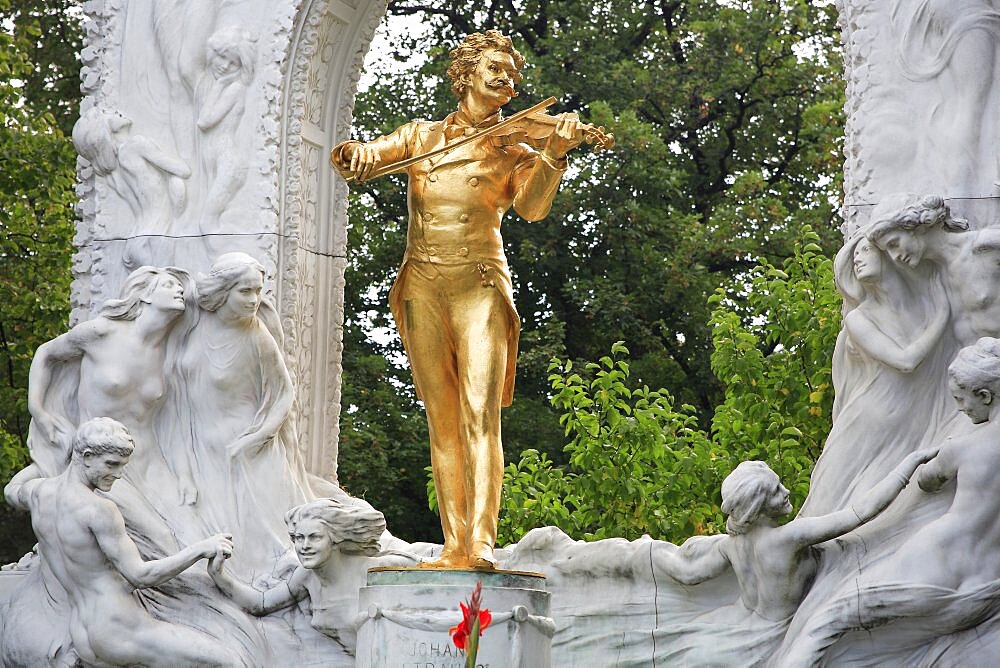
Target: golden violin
<point>536,128</point>
<point>530,126</point>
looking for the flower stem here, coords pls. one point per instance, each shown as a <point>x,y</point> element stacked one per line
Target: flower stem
<point>472,645</point>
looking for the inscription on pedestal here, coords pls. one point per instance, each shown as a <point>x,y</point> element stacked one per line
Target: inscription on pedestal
<point>410,612</point>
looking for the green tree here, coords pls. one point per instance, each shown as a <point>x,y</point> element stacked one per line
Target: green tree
<point>50,34</point>
<point>774,345</point>
<point>728,122</point>
<point>640,465</point>
<point>36,230</point>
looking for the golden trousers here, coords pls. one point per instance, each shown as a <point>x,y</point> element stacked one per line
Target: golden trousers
<point>456,337</point>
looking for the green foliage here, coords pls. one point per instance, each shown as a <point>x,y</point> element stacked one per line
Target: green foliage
<point>36,229</point>
<point>383,448</point>
<point>639,465</point>
<point>636,465</point>
<point>728,122</point>
<point>49,34</point>
<point>773,350</point>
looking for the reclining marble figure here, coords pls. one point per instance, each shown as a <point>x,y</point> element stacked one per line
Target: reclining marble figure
<point>336,544</point>
<point>774,565</point>
<point>945,572</point>
<point>82,539</point>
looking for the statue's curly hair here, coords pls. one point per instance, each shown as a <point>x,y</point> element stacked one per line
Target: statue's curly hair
<point>466,56</point>
<point>103,436</point>
<point>913,213</point>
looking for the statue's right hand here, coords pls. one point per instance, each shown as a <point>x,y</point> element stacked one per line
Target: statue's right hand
<point>54,429</point>
<point>364,161</point>
<point>219,545</point>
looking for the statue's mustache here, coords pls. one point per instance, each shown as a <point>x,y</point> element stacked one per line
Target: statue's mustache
<point>505,84</point>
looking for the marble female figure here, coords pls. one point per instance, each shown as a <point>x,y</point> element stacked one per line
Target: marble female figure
<point>235,408</point>
<point>890,347</point>
<point>944,577</point>
<point>231,55</point>
<point>336,544</point>
<point>149,179</point>
<point>114,365</point>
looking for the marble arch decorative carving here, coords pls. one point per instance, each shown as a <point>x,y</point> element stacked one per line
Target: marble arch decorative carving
<point>253,108</point>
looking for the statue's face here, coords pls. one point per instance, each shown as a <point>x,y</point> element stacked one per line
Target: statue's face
<point>103,470</point>
<point>117,122</point>
<point>867,261</point>
<point>225,61</point>
<point>903,246</point>
<point>778,504</point>
<point>244,297</point>
<point>312,543</point>
<point>167,294</point>
<point>974,403</point>
<point>493,79</point>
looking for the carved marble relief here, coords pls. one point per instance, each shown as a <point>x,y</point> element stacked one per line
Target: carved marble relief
<point>231,63</point>
<point>194,375</point>
<point>150,180</point>
<point>230,107</point>
<point>921,96</point>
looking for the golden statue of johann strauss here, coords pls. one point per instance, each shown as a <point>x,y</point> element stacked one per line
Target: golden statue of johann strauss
<point>453,301</point>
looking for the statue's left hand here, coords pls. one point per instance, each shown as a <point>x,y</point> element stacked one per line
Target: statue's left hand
<point>566,137</point>
<point>187,491</point>
<point>215,563</point>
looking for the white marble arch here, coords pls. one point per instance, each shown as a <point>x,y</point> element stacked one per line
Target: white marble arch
<point>326,53</point>
<point>149,62</point>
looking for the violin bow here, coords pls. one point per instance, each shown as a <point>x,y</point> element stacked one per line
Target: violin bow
<point>394,167</point>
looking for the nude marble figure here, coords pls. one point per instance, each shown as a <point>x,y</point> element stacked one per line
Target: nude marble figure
<point>774,565</point>
<point>82,539</point>
<point>945,573</point>
<point>913,229</point>
<point>231,56</point>
<point>119,361</point>
<point>149,178</point>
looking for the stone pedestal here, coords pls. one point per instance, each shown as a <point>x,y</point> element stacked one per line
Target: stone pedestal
<point>406,614</point>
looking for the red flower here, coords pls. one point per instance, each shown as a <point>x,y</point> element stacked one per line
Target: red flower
<point>472,617</point>
<point>460,632</point>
